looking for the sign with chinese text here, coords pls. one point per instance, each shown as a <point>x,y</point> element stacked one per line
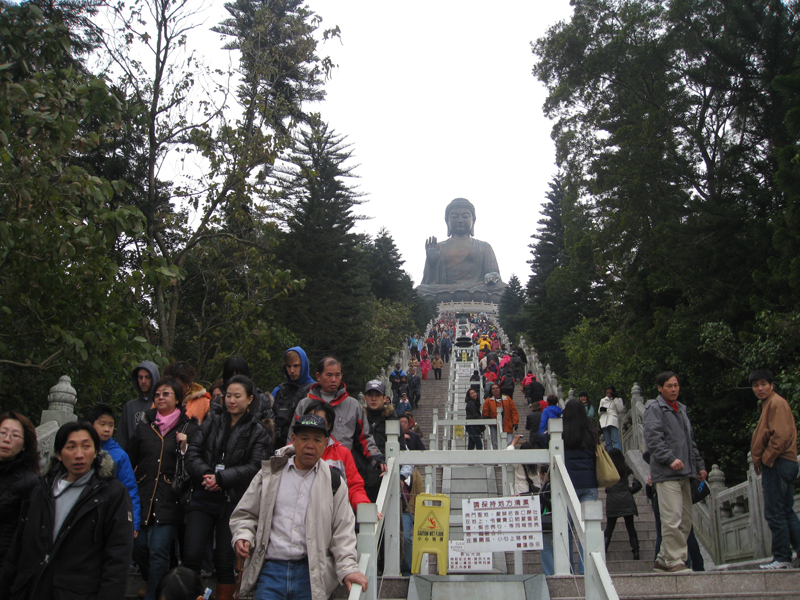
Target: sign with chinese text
<point>467,561</point>
<point>502,524</point>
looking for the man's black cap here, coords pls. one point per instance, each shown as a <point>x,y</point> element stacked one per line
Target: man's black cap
<point>311,422</point>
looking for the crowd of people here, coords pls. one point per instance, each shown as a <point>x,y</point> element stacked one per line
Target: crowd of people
<point>200,479</point>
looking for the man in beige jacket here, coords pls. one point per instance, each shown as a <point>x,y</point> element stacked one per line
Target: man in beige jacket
<point>294,525</point>
<point>774,452</point>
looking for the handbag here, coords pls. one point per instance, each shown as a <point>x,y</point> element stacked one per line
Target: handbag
<point>605,470</point>
<point>182,483</point>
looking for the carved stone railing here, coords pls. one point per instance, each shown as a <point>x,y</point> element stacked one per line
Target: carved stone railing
<point>730,523</point>
<point>543,374</point>
<point>60,410</point>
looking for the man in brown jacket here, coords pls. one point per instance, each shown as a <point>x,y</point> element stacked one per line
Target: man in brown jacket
<point>774,452</point>
<point>497,401</point>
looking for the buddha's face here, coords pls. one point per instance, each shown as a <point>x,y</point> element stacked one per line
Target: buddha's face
<point>460,221</point>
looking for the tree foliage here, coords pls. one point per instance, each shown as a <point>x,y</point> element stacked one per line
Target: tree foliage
<point>672,124</point>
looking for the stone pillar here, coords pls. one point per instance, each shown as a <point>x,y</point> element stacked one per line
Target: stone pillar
<point>61,402</point>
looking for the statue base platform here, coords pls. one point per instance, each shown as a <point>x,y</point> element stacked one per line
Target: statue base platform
<point>462,293</point>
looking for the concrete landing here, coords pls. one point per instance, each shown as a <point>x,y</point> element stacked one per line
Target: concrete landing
<point>478,587</point>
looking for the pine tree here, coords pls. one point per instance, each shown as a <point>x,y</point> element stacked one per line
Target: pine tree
<point>319,245</point>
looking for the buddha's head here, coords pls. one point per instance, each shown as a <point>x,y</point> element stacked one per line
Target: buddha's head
<point>460,217</point>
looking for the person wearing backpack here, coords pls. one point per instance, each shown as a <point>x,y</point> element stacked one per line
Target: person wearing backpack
<point>304,543</point>
<point>287,395</point>
<point>507,381</point>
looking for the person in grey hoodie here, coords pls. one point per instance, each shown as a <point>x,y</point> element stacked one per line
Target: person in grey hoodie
<point>143,377</point>
<point>674,460</point>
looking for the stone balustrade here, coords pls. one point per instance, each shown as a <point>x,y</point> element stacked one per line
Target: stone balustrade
<point>60,410</point>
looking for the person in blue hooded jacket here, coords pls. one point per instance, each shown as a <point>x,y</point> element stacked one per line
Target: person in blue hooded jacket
<point>287,395</point>
<point>102,418</point>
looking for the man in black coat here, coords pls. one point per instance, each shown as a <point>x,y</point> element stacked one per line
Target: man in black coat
<point>75,540</point>
<point>414,387</point>
<point>413,441</point>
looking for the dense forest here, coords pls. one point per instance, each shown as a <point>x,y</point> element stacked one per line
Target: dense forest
<point>154,207</point>
<point>669,238</point>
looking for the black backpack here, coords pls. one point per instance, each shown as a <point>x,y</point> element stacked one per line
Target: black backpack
<point>284,407</point>
<point>507,383</point>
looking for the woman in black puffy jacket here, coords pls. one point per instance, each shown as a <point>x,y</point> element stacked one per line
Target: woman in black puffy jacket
<point>19,472</point>
<point>222,460</point>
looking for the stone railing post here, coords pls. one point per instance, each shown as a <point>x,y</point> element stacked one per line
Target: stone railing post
<point>762,542</point>
<point>60,410</point>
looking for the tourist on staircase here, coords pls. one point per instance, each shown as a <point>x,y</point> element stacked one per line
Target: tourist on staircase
<point>580,445</point>
<point>621,503</point>
<point>437,363</point>
<point>287,395</point>
<point>473,408</point>
<point>774,451</point>
<point>611,409</point>
<point>499,402</point>
<point>674,461</point>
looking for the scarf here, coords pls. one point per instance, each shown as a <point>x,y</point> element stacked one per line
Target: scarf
<point>166,424</point>
<point>674,405</point>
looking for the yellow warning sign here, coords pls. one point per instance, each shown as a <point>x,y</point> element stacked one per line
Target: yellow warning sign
<point>431,530</point>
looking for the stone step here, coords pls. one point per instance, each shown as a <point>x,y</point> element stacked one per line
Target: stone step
<point>688,585</point>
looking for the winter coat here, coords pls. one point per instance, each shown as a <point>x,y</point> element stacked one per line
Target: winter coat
<point>581,466</point>
<point>437,362</point>
<point>535,391</point>
<point>196,402</point>
<point>16,484</point>
<point>154,459</point>
<point>775,435</point>
<point>425,365</point>
<point>614,409</point>
<point>403,407</point>
<point>90,557</point>
<point>394,379</point>
<point>341,458</point>
<point>287,395</point>
<point>551,412</point>
<point>330,527</point>
<point>510,414</point>
<point>377,424</point>
<point>619,500</point>
<point>124,472</point>
<point>133,411</point>
<point>351,427</point>
<point>247,445</point>
<point>668,436</point>
<point>414,388</point>
<point>533,420</point>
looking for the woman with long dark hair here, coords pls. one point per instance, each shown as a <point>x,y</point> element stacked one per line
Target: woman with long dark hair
<point>580,458</point>
<point>222,459</point>
<point>19,472</point>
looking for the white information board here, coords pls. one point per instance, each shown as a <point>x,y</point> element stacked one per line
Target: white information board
<point>461,561</point>
<point>464,371</point>
<point>502,524</point>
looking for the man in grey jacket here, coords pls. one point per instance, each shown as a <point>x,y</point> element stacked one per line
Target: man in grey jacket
<point>143,377</point>
<point>674,461</point>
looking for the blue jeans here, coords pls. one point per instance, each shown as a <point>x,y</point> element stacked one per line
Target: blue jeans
<point>611,437</point>
<point>778,485</point>
<point>475,442</point>
<point>283,580</point>
<point>584,495</point>
<point>152,549</point>
<point>548,563</point>
<point>408,543</point>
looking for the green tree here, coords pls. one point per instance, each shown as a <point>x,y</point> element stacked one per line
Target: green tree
<point>65,306</point>
<point>510,312</point>
<point>331,314</point>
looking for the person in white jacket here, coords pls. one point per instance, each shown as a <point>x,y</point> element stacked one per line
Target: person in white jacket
<point>294,525</point>
<point>611,409</point>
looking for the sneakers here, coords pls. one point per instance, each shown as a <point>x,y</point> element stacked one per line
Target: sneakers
<point>776,564</point>
<point>659,568</point>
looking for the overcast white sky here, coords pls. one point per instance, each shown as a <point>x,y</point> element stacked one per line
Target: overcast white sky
<point>438,100</point>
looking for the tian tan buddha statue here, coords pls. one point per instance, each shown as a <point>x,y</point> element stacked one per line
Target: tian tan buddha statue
<point>461,268</point>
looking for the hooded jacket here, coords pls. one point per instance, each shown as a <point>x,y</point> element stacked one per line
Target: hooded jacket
<point>91,555</point>
<point>124,472</point>
<point>351,428</point>
<point>133,411</point>
<point>288,394</point>
<point>330,527</point>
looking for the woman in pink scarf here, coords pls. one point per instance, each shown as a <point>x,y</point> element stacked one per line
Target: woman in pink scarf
<point>153,449</point>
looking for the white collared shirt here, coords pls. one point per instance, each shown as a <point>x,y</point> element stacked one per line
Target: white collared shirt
<point>287,538</point>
